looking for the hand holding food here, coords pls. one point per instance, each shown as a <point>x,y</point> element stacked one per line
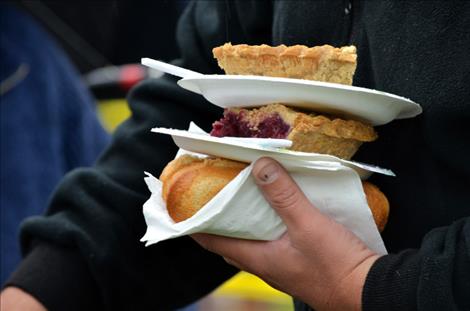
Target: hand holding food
<point>317,261</point>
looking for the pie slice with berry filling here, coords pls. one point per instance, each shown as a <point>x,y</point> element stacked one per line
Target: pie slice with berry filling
<point>308,131</point>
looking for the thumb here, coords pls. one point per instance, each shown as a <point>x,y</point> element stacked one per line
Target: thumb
<point>284,195</point>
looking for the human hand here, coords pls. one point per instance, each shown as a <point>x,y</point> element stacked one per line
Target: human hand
<point>13,298</point>
<point>317,260</point>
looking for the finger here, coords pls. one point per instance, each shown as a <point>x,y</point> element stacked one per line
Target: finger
<point>284,195</point>
<point>244,254</point>
<point>232,262</point>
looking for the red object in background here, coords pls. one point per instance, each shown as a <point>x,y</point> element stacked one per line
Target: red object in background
<point>130,75</point>
<point>115,81</point>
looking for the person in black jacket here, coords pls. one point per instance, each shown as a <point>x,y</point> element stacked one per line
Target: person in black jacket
<point>85,252</point>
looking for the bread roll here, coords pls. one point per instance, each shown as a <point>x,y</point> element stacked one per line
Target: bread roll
<point>189,183</point>
<point>378,204</point>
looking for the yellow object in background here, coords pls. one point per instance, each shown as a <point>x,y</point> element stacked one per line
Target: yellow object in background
<point>248,286</point>
<point>243,289</point>
<point>113,112</point>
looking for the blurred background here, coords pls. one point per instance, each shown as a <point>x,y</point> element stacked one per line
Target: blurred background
<point>66,68</point>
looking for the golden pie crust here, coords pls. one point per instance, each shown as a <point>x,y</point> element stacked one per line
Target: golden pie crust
<point>311,132</point>
<point>320,63</point>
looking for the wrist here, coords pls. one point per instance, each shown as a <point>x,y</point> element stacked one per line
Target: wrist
<point>348,294</point>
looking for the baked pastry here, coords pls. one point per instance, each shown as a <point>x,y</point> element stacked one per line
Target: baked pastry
<point>378,204</point>
<point>309,132</point>
<point>190,182</point>
<point>319,63</point>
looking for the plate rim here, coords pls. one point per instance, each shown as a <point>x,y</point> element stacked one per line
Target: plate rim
<point>409,108</point>
<point>219,140</point>
<point>299,81</point>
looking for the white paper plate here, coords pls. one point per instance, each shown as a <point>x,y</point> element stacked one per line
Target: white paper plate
<point>244,152</point>
<point>368,105</point>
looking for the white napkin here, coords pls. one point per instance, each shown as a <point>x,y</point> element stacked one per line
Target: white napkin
<point>240,210</point>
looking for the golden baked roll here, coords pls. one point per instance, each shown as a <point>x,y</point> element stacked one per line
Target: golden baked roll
<point>320,63</point>
<point>190,182</point>
<point>378,204</point>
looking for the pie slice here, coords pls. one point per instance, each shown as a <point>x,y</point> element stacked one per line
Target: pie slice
<point>309,132</point>
<point>320,63</point>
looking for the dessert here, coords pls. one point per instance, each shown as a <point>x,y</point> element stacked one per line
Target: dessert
<point>309,132</point>
<point>190,182</point>
<point>319,63</point>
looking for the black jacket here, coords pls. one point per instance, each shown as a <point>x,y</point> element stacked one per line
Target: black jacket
<point>86,251</point>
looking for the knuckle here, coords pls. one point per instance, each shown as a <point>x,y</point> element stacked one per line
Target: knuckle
<point>285,197</point>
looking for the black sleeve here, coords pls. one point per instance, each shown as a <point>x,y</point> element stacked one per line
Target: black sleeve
<point>434,277</point>
<point>96,214</point>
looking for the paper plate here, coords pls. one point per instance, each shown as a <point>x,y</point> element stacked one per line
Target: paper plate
<point>245,152</point>
<point>372,106</point>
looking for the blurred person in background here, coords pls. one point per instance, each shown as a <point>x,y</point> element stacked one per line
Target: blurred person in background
<point>48,124</point>
<point>90,234</point>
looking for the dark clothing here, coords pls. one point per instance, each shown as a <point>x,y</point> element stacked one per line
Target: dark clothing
<point>413,49</point>
<point>103,33</point>
<point>48,125</point>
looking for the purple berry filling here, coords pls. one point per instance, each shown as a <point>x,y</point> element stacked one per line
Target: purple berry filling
<point>234,124</point>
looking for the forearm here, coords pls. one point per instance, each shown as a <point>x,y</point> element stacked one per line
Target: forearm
<point>97,213</point>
